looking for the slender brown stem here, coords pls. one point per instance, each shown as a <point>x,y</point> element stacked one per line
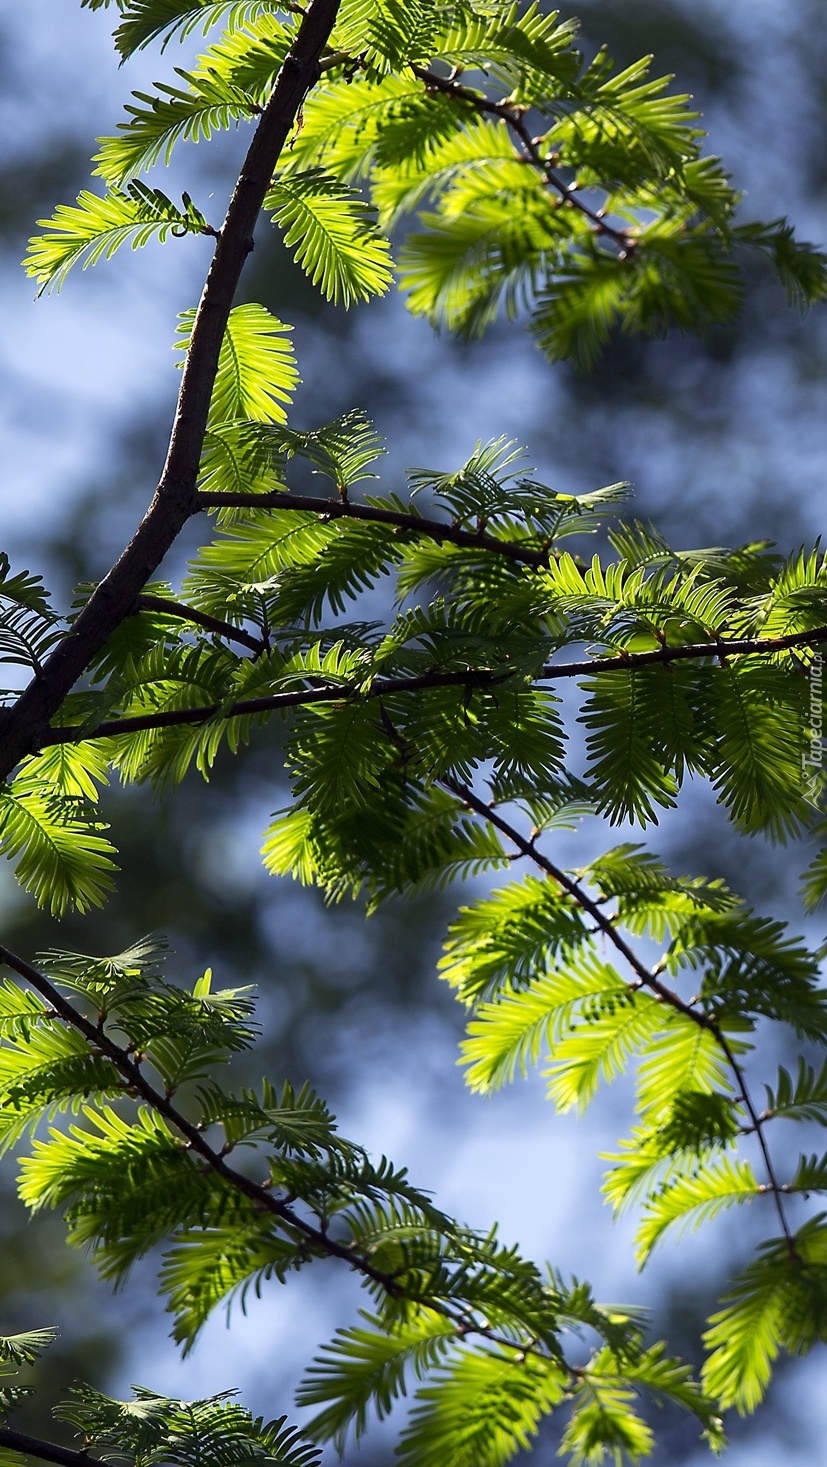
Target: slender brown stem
<point>603,921</point>
<point>34,1446</point>
<point>269,703</point>
<point>513,116</point>
<point>137,1085</point>
<point>758,1122</point>
<point>644,977</point>
<point>336,509</point>
<point>466,678</point>
<point>721,649</point>
<point>180,612</point>
<point>175,499</point>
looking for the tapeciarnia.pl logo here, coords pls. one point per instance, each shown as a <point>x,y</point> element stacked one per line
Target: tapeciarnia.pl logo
<point>812,755</point>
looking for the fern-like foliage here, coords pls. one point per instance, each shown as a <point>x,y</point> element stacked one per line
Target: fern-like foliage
<point>384,802</point>
<point>94,228</point>
<point>56,838</point>
<point>28,627</point>
<point>149,1427</point>
<point>657,246</point>
<point>127,1182</point>
<point>257,372</point>
<point>184,1433</point>
<point>776,1303</point>
<point>801,1098</point>
<point>143,21</point>
<point>424,742</point>
<point>332,235</point>
<point>175,114</point>
<point>17,1351</point>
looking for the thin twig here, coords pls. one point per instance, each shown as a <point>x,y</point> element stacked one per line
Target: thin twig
<point>137,1085</point>
<point>602,920</point>
<point>480,678</point>
<point>513,117</point>
<point>34,1446</point>
<point>269,703</point>
<point>758,1121</point>
<point>644,977</point>
<point>721,649</point>
<point>336,509</point>
<point>180,612</point>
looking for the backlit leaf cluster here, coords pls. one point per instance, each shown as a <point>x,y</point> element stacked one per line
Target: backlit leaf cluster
<point>449,668</point>
<point>456,1315</point>
<point>532,178</point>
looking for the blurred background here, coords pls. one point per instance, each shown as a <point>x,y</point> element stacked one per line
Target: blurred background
<point>726,440</point>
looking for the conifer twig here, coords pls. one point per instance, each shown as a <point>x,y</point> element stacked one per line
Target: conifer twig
<point>449,86</point>
<point>479,678</point>
<point>43,1451</point>
<point>180,612</point>
<point>644,977</point>
<point>335,509</point>
<point>137,1085</point>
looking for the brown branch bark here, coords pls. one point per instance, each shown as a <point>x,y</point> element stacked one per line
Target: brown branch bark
<point>179,612</point>
<point>465,678</point>
<point>137,1085</point>
<point>344,509</point>
<point>175,498</point>
<point>643,977</point>
<point>43,1451</point>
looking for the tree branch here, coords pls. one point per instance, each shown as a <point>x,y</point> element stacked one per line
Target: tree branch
<point>33,1446</point>
<point>721,648</point>
<point>513,116</point>
<point>175,499</point>
<point>758,1122</point>
<point>644,977</point>
<point>464,678</point>
<point>602,920</point>
<point>270,703</point>
<point>181,612</point>
<point>336,509</point>
<point>137,1085</point>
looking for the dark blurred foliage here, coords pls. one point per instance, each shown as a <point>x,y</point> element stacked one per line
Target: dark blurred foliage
<point>725,442</point>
